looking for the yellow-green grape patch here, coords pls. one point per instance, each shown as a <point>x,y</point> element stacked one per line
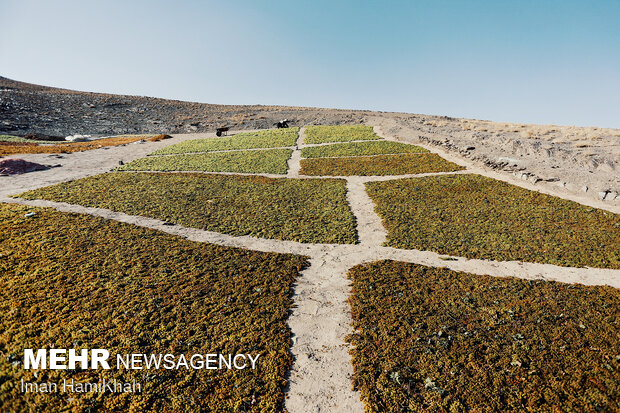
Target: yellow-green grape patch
<point>431,339</point>
<point>359,149</point>
<point>261,139</point>
<point>17,139</point>
<point>381,165</point>
<point>72,281</point>
<point>479,217</point>
<point>303,210</point>
<point>272,161</point>
<point>342,133</point>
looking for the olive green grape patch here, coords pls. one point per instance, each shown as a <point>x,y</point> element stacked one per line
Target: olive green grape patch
<point>272,138</point>
<point>303,210</point>
<point>359,149</point>
<point>77,281</point>
<point>274,161</point>
<point>342,133</point>
<point>478,217</point>
<point>382,165</point>
<point>431,339</point>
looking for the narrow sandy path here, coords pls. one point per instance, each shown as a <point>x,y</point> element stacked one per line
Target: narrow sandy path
<point>320,380</point>
<point>294,163</point>
<point>370,230</point>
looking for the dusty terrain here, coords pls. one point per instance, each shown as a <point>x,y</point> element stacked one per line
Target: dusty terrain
<point>27,108</point>
<point>583,162</point>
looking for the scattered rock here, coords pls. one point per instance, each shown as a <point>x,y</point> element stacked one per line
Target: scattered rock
<point>121,163</point>
<point>78,138</point>
<point>584,188</point>
<point>30,214</point>
<point>503,159</point>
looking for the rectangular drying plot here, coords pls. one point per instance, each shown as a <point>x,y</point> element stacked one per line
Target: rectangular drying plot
<point>359,149</point>
<point>431,339</point>
<point>272,138</point>
<point>303,210</point>
<point>273,161</point>
<point>342,133</point>
<point>478,217</point>
<point>11,138</point>
<point>80,282</point>
<point>382,165</point>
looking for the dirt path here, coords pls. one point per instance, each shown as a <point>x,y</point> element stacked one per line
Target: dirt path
<point>320,380</point>
<point>321,376</point>
<point>294,164</point>
<point>370,230</point>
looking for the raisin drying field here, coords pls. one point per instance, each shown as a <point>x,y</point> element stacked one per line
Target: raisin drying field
<point>261,139</point>
<point>360,149</point>
<point>141,292</point>
<point>478,217</point>
<point>382,165</point>
<point>468,293</point>
<point>326,134</point>
<point>273,161</point>
<point>438,340</point>
<point>311,211</point>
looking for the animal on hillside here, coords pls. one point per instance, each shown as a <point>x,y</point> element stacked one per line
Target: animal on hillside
<point>282,124</point>
<point>221,130</point>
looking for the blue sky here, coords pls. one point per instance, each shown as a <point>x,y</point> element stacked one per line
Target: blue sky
<point>523,61</point>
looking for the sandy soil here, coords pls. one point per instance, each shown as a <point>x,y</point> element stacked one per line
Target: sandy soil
<point>294,163</point>
<point>320,379</point>
<point>580,162</point>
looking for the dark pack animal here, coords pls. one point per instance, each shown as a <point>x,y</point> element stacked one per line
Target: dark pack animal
<point>282,124</point>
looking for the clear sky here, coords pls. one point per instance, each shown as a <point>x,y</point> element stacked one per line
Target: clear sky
<point>539,61</point>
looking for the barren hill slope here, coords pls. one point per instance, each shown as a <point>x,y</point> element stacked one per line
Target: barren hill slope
<point>584,161</point>
<point>27,108</point>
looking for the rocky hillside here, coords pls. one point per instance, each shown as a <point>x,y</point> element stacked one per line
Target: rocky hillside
<point>26,108</point>
<point>583,161</point>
